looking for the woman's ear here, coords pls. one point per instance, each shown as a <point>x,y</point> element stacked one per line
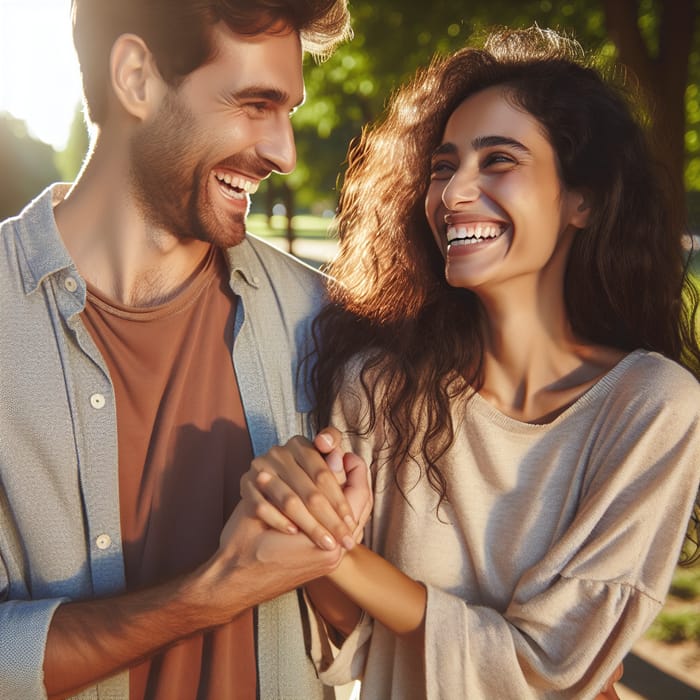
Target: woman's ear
<point>580,208</point>
<point>136,81</point>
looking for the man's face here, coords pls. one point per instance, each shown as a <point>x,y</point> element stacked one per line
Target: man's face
<point>226,128</point>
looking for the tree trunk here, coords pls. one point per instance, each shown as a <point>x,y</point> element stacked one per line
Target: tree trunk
<point>289,206</point>
<point>663,77</point>
<point>269,201</point>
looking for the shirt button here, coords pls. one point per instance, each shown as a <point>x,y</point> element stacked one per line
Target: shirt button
<point>256,279</point>
<point>97,401</point>
<point>103,542</point>
<point>70,284</point>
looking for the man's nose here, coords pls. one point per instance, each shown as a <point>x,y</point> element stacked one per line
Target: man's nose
<point>278,147</point>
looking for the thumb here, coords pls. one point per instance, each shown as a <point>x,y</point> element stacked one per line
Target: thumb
<point>358,488</point>
<point>327,442</point>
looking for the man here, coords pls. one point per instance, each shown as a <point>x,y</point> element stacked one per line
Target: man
<point>148,349</point>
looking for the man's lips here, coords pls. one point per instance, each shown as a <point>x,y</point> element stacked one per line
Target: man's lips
<point>235,184</point>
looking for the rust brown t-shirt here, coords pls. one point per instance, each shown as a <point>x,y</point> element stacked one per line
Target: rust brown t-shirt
<point>183,446</point>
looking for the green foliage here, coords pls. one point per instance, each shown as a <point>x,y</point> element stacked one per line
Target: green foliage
<point>71,158</point>
<point>676,626</point>
<point>26,166</point>
<point>686,583</point>
<point>393,38</point>
<point>680,618</point>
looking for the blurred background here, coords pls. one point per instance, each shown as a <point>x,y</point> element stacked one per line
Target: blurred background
<point>43,138</point>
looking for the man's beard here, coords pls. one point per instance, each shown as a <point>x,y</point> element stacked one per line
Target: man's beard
<point>169,183</point>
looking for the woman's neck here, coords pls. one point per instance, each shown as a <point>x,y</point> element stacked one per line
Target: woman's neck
<point>534,366</point>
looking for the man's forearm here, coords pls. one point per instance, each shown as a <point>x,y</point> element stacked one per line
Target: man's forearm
<point>92,640</point>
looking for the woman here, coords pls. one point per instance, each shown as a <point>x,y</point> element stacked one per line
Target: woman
<point>504,344</point>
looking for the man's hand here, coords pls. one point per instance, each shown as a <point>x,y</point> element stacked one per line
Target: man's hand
<point>263,561</point>
<point>312,488</point>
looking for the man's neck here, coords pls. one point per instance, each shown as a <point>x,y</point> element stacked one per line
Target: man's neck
<point>116,250</point>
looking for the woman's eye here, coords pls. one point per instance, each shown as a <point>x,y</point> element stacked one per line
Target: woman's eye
<point>497,159</point>
<point>441,169</point>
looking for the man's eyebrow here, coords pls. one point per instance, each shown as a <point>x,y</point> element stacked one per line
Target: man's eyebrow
<point>488,141</point>
<point>262,92</point>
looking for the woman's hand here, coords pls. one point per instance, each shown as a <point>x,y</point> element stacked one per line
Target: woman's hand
<point>313,488</point>
<point>609,692</point>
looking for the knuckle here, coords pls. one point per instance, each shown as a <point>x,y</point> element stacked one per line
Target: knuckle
<point>276,452</point>
<point>258,464</point>
<point>316,501</point>
<point>323,478</point>
<point>291,502</point>
<point>262,510</point>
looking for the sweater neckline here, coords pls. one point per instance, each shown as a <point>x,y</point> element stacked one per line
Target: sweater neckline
<point>599,389</point>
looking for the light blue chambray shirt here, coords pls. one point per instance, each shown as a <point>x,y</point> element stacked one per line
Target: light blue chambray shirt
<point>59,511</point>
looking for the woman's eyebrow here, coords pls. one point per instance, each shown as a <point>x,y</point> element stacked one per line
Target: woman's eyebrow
<point>488,141</point>
<point>445,148</point>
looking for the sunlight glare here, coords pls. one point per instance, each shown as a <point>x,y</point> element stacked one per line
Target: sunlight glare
<point>39,75</point>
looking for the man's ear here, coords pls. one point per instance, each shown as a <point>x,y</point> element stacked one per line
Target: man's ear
<point>580,208</point>
<point>136,81</point>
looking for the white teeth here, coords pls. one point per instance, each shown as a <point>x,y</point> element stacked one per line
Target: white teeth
<point>472,233</point>
<point>237,182</point>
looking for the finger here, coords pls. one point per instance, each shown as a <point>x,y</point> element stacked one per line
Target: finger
<point>358,488</point>
<point>291,504</point>
<point>334,460</point>
<point>614,677</point>
<point>609,694</point>
<point>300,466</point>
<point>327,481</point>
<point>262,508</point>
<point>327,440</point>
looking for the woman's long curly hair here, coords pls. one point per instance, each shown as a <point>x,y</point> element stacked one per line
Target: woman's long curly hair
<point>422,341</point>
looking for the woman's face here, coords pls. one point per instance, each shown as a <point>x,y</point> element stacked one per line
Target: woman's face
<point>496,204</point>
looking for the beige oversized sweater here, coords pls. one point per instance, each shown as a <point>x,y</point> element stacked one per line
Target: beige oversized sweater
<point>556,550</point>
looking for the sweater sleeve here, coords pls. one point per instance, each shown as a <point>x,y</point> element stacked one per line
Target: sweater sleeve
<point>576,613</point>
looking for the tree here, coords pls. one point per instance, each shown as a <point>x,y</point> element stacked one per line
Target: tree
<point>71,158</point>
<point>657,39</point>
<point>660,58</point>
<point>26,166</point>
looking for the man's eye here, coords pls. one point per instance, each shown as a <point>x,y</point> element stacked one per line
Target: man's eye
<point>258,107</point>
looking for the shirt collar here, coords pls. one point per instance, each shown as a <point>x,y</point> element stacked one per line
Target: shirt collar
<point>44,251</point>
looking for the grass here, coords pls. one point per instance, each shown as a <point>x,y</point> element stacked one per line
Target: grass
<point>673,626</point>
<point>679,620</point>
<point>305,226</point>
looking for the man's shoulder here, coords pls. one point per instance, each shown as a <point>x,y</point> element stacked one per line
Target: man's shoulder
<point>261,263</point>
<point>273,256</point>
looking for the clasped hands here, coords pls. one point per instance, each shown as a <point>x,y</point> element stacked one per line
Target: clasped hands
<point>311,488</point>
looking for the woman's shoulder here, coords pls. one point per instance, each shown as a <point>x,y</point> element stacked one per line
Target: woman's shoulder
<point>648,375</point>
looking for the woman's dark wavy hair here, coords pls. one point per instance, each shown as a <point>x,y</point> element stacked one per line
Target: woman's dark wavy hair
<point>421,340</point>
<point>178,33</point>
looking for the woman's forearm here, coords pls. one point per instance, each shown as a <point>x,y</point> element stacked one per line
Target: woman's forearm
<point>334,606</point>
<point>385,592</point>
